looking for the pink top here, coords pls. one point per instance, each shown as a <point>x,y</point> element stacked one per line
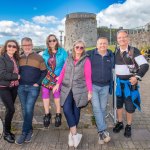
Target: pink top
<point>87,74</point>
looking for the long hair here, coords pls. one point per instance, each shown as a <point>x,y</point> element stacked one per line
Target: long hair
<point>73,49</point>
<point>4,49</point>
<point>47,43</point>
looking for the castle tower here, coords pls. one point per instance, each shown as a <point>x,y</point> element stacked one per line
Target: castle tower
<point>80,26</point>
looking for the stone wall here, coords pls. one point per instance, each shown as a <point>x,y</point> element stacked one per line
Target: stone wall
<point>140,39</point>
<point>80,26</point>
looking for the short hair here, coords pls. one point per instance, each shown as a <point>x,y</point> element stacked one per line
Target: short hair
<point>105,38</point>
<point>125,31</point>
<point>26,39</point>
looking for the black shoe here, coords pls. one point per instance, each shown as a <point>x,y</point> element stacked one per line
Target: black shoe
<point>9,138</point>
<point>46,120</point>
<point>127,132</point>
<point>12,134</point>
<point>119,126</point>
<point>58,120</point>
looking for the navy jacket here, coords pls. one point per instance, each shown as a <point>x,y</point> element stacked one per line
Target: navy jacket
<point>101,67</point>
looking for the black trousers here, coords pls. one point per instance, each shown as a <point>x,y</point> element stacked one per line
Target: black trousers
<point>8,96</point>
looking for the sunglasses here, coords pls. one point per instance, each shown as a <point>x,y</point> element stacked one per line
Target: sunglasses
<point>52,41</point>
<point>78,47</point>
<point>11,46</point>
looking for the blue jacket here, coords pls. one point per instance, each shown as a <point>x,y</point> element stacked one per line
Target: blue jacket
<point>134,94</point>
<point>61,56</point>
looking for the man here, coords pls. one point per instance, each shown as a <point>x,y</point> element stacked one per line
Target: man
<point>130,66</point>
<point>32,71</point>
<point>102,61</point>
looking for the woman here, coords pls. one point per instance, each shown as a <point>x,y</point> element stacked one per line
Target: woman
<point>9,83</point>
<point>76,89</point>
<point>54,57</point>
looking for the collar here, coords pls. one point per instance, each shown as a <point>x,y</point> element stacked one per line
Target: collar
<point>58,51</point>
<point>125,50</point>
<point>97,53</point>
<point>29,54</point>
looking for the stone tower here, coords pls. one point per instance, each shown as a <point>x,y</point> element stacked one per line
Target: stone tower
<point>80,26</point>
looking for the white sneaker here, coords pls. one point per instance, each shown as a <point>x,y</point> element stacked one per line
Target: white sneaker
<point>104,137</point>
<point>70,140</point>
<point>77,139</point>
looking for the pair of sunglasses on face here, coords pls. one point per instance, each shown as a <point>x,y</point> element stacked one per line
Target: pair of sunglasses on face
<point>52,41</point>
<point>11,46</point>
<point>79,47</point>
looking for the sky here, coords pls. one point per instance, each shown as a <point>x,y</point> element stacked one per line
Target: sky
<point>39,18</point>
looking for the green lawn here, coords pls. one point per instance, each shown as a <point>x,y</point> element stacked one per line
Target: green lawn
<point>111,47</point>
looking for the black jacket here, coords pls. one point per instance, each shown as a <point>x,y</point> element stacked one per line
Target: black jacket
<point>6,70</point>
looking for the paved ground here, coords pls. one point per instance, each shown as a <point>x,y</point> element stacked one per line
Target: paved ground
<point>56,138</point>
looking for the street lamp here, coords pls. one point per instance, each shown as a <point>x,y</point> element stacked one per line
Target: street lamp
<point>61,31</point>
<point>110,34</point>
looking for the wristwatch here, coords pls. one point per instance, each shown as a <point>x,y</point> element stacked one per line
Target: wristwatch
<point>138,78</point>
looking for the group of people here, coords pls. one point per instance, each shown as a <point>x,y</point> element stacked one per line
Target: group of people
<point>74,78</point>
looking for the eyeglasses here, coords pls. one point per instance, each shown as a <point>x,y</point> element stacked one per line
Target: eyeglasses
<point>27,45</point>
<point>52,41</point>
<point>11,46</point>
<point>78,47</point>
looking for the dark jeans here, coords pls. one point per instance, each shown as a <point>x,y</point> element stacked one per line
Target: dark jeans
<point>71,111</point>
<point>28,95</point>
<point>8,96</point>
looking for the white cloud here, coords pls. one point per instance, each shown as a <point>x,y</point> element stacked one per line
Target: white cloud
<point>45,19</point>
<point>6,28</point>
<point>25,28</point>
<point>131,14</point>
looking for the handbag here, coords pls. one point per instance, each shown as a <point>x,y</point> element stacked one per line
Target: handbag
<point>50,80</point>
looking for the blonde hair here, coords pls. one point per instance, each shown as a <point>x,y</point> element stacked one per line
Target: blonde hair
<point>73,49</point>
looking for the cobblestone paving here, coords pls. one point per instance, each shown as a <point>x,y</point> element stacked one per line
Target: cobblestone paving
<point>56,138</point>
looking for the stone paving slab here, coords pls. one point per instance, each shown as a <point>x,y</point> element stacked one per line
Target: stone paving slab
<point>57,139</point>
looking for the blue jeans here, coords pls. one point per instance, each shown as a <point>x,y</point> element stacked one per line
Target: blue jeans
<point>71,111</point>
<point>28,95</point>
<point>99,103</point>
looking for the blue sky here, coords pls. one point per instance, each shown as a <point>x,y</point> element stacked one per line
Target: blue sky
<point>16,9</point>
<point>38,18</point>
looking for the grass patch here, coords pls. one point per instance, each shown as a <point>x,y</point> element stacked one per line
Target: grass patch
<point>89,48</point>
<point>111,47</point>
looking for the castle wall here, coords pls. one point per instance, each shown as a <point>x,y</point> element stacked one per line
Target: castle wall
<point>140,40</point>
<point>80,26</point>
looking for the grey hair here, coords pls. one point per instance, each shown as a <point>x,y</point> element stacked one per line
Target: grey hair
<point>125,31</point>
<point>26,39</point>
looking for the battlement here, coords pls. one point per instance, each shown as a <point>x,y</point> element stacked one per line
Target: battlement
<point>81,15</point>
